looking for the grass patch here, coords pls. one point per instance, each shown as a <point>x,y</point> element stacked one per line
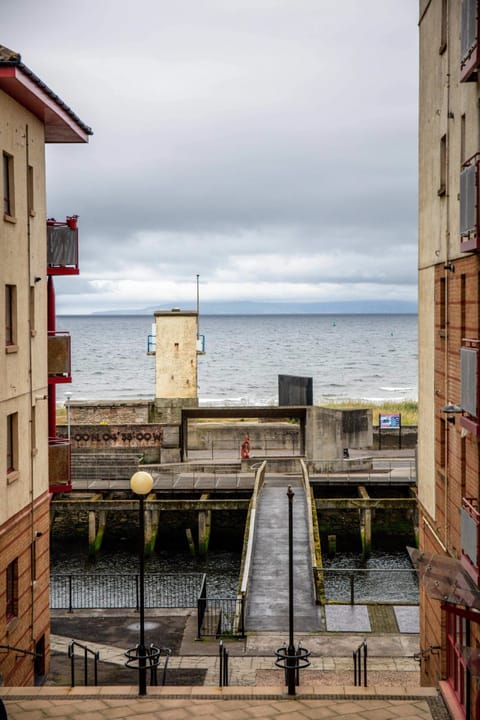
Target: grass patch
<point>407,408</point>
<point>61,416</point>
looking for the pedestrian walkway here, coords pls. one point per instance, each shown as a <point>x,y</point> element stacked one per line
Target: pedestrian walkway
<point>267,603</point>
<point>230,703</point>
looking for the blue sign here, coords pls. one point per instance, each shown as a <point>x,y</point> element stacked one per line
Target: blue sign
<point>389,421</point>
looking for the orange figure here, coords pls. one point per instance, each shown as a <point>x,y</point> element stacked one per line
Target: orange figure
<point>246,447</point>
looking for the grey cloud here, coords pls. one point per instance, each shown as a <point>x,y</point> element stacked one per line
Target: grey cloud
<point>232,129</point>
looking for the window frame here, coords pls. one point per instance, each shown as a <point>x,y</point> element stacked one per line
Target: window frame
<point>11,597</point>
<point>12,446</point>
<point>31,190</point>
<point>8,180</point>
<point>10,318</point>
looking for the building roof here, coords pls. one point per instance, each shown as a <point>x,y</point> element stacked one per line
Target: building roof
<point>18,81</point>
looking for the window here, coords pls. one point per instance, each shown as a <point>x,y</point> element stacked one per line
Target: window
<point>33,332</point>
<point>441,305</point>
<point>8,197</point>
<point>443,166</point>
<point>30,193</point>
<point>442,444</point>
<point>10,316</point>
<point>11,608</point>
<point>34,431</point>
<point>444,27</point>
<point>12,443</point>
<point>458,623</point>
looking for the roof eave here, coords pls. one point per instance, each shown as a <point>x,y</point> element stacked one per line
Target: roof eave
<point>61,125</point>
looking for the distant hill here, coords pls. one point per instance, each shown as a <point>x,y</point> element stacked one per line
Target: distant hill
<point>365,307</point>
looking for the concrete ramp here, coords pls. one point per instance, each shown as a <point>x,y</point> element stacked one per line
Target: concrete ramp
<point>267,603</point>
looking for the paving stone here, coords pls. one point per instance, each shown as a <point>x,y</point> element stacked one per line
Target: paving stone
<point>407,618</point>
<point>347,618</point>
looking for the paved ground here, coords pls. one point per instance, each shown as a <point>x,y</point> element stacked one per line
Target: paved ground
<point>227,704</point>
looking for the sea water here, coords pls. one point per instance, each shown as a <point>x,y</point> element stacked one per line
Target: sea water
<point>359,357</point>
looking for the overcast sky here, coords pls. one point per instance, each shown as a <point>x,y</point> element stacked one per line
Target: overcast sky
<point>269,146</point>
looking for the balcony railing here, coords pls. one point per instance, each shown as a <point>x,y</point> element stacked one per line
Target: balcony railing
<point>59,357</point>
<point>470,533</point>
<point>469,205</point>
<point>470,51</point>
<point>470,386</point>
<point>59,465</point>
<point>62,247</point>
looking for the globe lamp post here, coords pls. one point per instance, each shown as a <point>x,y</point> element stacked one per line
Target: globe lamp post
<point>141,484</point>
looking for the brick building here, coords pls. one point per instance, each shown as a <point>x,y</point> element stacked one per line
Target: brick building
<point>30,116</point>
<point>449,342</point>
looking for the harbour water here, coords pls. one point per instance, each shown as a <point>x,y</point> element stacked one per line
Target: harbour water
<point>367,357</point>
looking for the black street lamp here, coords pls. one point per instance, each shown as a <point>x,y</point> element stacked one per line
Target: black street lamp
<point>290,658</point>
<point>141,484</point>
<point>291,652</point>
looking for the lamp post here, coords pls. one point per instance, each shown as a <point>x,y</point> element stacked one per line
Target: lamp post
<point>141,484</point>
<point>291,652</point>
<point>68,395</point>
<point>290,658</point>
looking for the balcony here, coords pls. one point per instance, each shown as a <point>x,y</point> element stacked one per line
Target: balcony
<point>62,247</point>
<point>470,49</point>
<point>470,387</point>
<point>469,205</point>
<point>59,357</point>
<point>470,527</point>
<point>60,469</point>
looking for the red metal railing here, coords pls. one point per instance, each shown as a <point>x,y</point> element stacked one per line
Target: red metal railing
<point>62,247</point>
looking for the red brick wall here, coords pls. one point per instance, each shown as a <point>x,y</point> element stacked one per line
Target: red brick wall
<point>457,303</point>
<point>33,616</point>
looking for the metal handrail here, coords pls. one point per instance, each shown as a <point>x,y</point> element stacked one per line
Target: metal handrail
<point>357,664</point>
<point>86,650</point>
<point>259,481</point>
<point>20,650</point>
<point>223,665</point>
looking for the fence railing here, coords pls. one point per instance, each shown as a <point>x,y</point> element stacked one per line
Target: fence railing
<point>359,585</point>
<point>221,616</point>
<point>162,590</point>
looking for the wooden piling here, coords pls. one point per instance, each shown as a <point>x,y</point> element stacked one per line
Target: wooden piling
<point>204,527</point>
<point>365,525</point>
<point>190,541</point>
<point>95,535</point>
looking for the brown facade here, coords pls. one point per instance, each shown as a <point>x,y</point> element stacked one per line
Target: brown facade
<point>31,361</point>
<point>24,543</point>
<point>449,341</point>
